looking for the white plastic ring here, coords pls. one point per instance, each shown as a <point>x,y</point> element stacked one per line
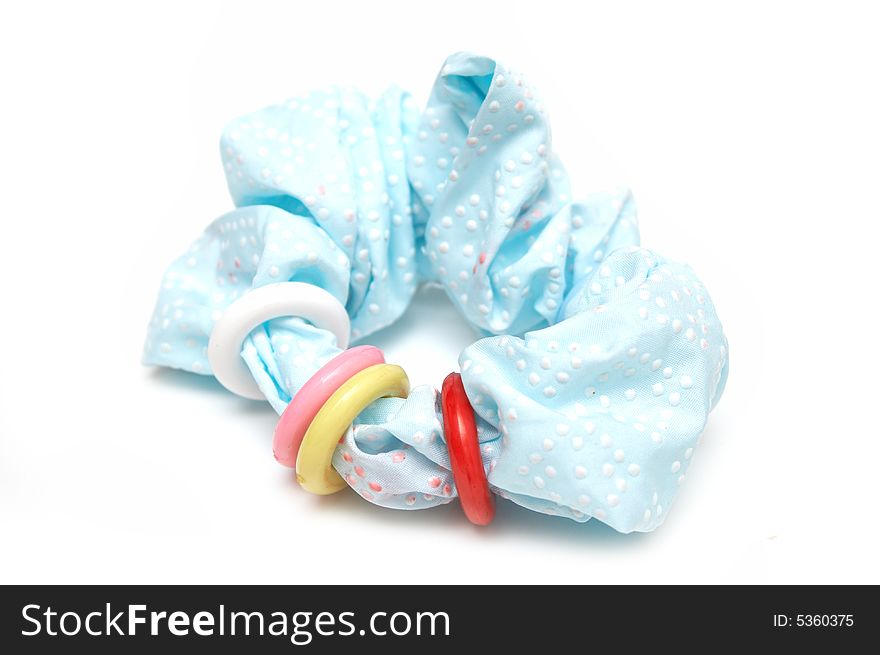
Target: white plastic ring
<point>262,304</point>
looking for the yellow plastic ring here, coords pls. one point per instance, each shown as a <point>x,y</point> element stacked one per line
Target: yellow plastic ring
<point>314,471</point>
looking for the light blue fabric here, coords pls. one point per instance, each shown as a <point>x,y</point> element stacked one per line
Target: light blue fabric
<point>591,400</point>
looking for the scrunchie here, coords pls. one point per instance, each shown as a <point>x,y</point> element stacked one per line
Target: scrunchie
<point>601,360</point>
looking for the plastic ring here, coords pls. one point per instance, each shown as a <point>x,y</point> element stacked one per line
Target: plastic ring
<point>460,429</point>
<point>314,470</point>
<point>262,304</point>
<point>303,407</point>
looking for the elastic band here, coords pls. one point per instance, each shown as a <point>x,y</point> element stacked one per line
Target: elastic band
<point>301,411</point>
<point>313,469</point>
<point>460,429</point>
<point>254,308</point>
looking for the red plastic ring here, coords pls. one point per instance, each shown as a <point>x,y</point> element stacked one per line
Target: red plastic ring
<point>460,429</point>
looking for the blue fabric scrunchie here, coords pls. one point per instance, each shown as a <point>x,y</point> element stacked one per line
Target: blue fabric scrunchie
<point>601,359</point>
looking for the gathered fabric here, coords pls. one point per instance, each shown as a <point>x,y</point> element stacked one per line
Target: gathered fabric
<point>600,359</point>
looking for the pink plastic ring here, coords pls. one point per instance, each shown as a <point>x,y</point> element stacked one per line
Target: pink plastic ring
<point>301,410</point>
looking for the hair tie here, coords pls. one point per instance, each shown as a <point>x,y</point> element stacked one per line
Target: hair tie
<point>601,359</point>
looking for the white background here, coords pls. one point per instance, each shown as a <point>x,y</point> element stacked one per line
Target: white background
<point>749,135</point>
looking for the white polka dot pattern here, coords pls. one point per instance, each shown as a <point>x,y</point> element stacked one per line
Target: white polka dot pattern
<point>621,429</point>
<point>591,402</point>
<point>340,159</point>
